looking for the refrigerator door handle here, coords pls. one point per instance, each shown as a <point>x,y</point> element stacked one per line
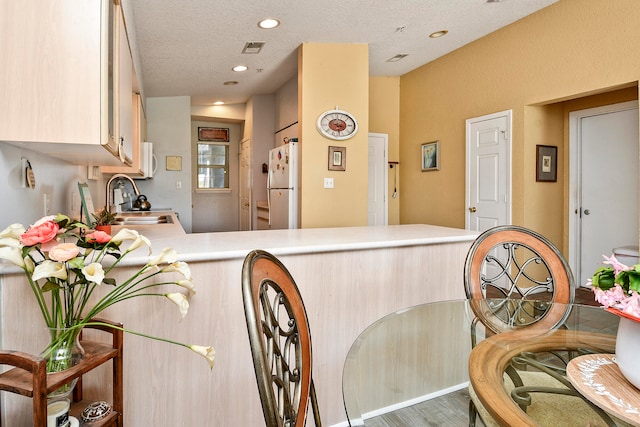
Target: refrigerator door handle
<point>269,204</point>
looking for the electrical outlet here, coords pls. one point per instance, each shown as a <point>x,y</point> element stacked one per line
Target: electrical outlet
<point>328,183</point>
<point>46,204</point>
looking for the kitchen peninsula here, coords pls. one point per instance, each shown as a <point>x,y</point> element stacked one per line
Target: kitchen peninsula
<point>348,277</point>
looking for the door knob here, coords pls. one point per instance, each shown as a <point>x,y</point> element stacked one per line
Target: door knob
<point>472,209</point>
<point>587,211</point>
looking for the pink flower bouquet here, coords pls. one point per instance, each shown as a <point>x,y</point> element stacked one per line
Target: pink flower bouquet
<point>617,287</point>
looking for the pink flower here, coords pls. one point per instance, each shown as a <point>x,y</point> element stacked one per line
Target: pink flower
<point>44,230</point>
<point>610,297</point>
<point>64,252</point>
<point>631,305</point>
<point>617,265</point>
<point>98,236</point>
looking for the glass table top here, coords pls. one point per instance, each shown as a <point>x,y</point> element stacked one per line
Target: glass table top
<point>422,352</point>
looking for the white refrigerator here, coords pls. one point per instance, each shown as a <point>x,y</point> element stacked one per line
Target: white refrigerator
<point>282,186</point>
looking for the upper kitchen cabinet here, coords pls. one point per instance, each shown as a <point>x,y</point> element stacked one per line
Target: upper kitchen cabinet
<point>66,65</point>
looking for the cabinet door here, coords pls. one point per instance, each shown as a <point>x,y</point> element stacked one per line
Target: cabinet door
<point>54,78</point>
<point>138,127</point>
<point>125,91</point>
<point>50,74</point>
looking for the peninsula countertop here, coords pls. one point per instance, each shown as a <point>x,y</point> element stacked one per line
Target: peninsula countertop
<point>236,244</point>
<point>228,245</point>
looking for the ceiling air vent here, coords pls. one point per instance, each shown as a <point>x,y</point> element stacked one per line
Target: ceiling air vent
<point>253,47</point>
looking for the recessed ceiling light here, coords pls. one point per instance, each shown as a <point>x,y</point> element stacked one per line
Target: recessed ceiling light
<point>268,23</point>
<point>437,34</point>
<point>230,83</point>
<point>240,68</point>
<point>218,103</point>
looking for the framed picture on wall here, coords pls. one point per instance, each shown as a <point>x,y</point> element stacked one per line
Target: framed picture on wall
<point>546,163</point>
<point>337,158</point>
<point>431,156</point>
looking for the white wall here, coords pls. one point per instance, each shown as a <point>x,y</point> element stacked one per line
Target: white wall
<point>169,128</point>
<point>54,177</point>
<point>217,211</point>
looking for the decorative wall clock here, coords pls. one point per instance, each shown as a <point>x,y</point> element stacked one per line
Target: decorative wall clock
<point>337,124</point>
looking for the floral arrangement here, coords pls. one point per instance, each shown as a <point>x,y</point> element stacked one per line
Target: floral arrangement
<point>65,262</point>
<point>618,286</point>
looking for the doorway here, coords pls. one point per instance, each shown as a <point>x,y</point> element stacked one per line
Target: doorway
<point>604,181</point>
<point>377,208</point>
<point>488,171</point>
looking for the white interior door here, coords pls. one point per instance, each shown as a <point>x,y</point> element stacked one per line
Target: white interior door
<point>378,179</point>
<point>488,171</point>
<point>245,185</point>
<point>604,184</point>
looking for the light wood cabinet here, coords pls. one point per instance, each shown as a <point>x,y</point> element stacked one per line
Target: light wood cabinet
<point>61,79</point>
<point>138,133</point>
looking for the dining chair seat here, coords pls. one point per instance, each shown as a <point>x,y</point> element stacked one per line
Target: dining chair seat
<point>547,409</point>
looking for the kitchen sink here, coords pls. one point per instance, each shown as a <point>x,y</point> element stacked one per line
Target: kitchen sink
<point>142,218</point>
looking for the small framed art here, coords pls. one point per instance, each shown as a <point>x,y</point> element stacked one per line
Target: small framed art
<point>431,156</point>
<point>337,158</point>
<point>546,163</point>
<point>174,163</point>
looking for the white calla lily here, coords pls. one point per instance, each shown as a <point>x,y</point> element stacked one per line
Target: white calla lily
<point>168,255</point>
<point>48,269</point>
<point>187,284</point>
<point>94,272</point>
<point>14,231</point>
<point>12,254</point>
<point>138,239</point>
<point>181,301</point>
<point>10,241</point>
<point>207,352</point>
<point>180,267</point>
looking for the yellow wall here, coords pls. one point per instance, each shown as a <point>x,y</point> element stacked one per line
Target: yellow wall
<point>568,50</point>
<point>331,75</point>
<point>384,107</point>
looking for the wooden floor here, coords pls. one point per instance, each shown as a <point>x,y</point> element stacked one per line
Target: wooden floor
<point>451,410</point>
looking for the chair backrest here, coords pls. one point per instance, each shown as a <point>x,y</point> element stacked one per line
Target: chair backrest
<point>280,341</point>
<point>513,263</point>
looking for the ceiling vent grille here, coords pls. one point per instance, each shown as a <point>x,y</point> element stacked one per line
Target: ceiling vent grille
<point>253,47</point>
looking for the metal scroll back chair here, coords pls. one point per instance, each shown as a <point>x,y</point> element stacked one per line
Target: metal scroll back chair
<point>526,274</point>
<point>280,341</point>
<point>523,269</point>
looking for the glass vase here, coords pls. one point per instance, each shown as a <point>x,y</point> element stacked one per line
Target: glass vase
<point>63,352</point>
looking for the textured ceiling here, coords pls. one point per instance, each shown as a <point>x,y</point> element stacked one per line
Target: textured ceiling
<point>188,47</point>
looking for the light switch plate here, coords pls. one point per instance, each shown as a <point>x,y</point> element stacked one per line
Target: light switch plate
<point>328,183</point>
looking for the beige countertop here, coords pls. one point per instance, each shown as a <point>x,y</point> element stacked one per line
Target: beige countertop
<point>236,245</point>
<point>228,245</point>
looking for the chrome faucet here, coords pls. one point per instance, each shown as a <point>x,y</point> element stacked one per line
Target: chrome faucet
<point>119,176</point>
